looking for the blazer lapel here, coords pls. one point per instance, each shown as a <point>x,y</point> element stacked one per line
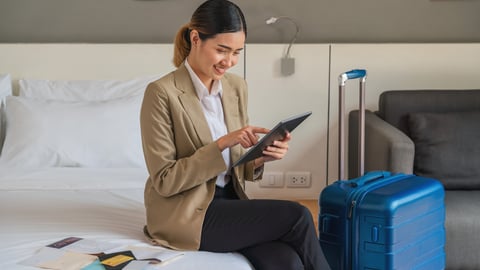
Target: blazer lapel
<point>231,113</point>
<point>193,108</point>
<point>191,104</point>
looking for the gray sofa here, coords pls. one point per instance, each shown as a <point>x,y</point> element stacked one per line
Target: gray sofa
<point>433,133</point>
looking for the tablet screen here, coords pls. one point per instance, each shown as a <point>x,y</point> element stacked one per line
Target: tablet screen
<point>277,133</point>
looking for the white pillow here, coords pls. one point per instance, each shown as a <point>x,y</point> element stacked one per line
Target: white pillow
<point>49,133</point>
<point>5,86</point>
<point>5,90</point>
<point>83,90</point>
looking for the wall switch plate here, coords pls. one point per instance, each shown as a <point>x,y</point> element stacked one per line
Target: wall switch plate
<point>272,180</point>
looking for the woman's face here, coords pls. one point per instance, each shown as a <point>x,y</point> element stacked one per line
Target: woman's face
<point>211,58</point>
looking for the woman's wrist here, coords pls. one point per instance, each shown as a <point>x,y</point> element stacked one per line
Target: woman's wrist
<point>221,144</point>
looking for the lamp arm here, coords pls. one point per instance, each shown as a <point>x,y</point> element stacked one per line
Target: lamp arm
<point>273,20</point>
<point>287,55</point>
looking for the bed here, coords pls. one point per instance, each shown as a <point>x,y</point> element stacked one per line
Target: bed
<point>41,206</point>
<point>71,165</point>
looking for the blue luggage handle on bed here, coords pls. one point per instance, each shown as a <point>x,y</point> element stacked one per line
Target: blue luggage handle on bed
<point>352,74</point>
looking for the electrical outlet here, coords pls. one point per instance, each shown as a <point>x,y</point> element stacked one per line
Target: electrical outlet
<point>298,179</point>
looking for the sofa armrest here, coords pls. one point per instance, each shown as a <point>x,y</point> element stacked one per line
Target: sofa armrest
<point>386,147</point>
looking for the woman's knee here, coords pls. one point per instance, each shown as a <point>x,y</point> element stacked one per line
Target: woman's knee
<point>302,213</point>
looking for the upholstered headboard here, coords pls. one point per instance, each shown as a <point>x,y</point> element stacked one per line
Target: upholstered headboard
<point>78,61</point>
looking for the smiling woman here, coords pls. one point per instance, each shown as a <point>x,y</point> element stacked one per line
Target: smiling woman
<point>211,58</point>
<point>194,123</point>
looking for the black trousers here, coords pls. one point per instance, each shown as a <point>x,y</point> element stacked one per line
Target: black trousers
<point>271,234</point>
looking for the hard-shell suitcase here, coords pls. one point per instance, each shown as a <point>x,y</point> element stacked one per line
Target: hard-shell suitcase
<point>380,220</point>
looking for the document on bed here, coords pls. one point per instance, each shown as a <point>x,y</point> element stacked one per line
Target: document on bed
<point>87,254</point>
<point>154,253</point>
<point>81,245</point>
<point>57,259</point>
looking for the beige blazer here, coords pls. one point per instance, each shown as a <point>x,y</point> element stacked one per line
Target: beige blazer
<point>182,159</point>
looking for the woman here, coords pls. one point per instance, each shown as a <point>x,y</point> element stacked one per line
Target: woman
<point>194,124</point>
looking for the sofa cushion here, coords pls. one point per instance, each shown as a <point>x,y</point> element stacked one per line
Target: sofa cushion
<point>447,147</point>
<point>395,105</point>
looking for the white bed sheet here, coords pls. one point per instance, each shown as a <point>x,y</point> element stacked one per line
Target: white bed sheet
<point>43,206</point>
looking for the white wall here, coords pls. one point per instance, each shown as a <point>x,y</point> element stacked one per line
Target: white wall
<point>88,61</point>
<point>389,67</point>
<point>273,97</point>
<point>398,67</point>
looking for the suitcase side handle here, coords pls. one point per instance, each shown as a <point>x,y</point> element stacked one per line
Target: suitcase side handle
<point>370,176</point>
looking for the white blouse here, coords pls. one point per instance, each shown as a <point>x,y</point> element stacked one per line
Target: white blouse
<point>213,110</point>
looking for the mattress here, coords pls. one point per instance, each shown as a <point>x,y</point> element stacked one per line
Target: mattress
<point>39,207</point>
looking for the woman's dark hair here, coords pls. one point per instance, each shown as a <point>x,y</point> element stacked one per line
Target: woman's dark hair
<point>209,19</point>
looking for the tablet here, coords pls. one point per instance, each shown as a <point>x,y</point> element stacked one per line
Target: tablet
<point>277,133</point>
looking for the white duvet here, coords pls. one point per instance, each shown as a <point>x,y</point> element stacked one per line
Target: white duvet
<point>39,207</point>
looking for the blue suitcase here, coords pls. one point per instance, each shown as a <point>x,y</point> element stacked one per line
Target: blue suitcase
<point>380,220</point>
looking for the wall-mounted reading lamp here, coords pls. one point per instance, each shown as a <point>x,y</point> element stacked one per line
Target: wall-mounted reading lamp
<point>288,63</point>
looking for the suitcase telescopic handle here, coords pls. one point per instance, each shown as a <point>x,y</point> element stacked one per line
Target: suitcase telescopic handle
<point>342,79</point>
<point>352,74</point>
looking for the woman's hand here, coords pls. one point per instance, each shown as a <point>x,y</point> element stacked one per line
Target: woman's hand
<point>278,150</point>
<point>246,137</point>
<point>274,152</point>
